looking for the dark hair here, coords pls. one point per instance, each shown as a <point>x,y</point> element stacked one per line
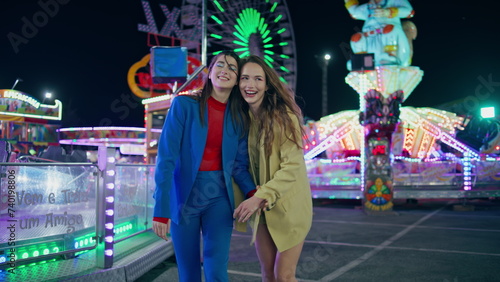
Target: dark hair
<point>278,102</point>
<point>234,97</point>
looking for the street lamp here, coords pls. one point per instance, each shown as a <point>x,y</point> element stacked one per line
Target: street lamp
<point>326,60</point>
<point>48,95</point>
<point>15,83</point>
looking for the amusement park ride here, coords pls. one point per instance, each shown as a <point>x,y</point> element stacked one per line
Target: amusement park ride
<point>371,144</point>
<point>385,147</point>
<point>376,153</point>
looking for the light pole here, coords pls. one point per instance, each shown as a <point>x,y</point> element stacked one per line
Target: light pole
<point>15,83</point>
<point>326,60</point>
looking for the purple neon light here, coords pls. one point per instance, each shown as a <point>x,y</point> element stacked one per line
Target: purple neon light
<point>121,128</point>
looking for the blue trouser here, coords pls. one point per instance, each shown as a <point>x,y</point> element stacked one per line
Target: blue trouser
<point>207,209</point>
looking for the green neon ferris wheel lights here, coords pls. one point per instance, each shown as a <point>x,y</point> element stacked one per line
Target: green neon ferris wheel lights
<point>274,7</point>
<point>281,31</point>
<point>240,37</point>
<point>240,43</point>
<point>284,69</point>
<point>260,28</point>
<point>249,22</point>
<point>219,6</point>
<point>216,19</point>
<point>268,58</point>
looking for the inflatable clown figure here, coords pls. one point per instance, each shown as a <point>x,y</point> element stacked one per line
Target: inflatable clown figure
<point>382,33</point>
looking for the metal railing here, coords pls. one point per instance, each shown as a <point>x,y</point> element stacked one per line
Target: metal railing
<point>61,209</point>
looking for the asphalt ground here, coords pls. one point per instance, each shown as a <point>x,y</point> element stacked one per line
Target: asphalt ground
<point>425,240</point>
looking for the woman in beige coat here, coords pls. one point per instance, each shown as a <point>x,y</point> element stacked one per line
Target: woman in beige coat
<point>278,167</point>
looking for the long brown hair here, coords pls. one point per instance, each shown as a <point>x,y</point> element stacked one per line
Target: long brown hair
<point>278,101</point>
<point>234,97</point>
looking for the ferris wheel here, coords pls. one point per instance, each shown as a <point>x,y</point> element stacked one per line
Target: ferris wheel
<point>257,27</point>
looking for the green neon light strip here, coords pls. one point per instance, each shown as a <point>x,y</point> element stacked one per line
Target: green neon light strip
<point>278,18</point>
<point>284,69</point>
<point>219,6</point>
<point>243,39</point>
<point>216,52</point>
<point>268,63</point>
<point>248,22</point>
<point>274,7</point>
<point>284,56</point>
<point>269,52</point>
<point>37,250</point>
<point>246,53</point>
<point>240,43</point>
<point>268,46</point>
<point>216,36</point>
<point>239,30</point>
<point>281,31</point>
<point>123,227</point>
<point>266,34</point>
<point>283,80</point>
<point>268,58</point>
<point>90,235</point>
<point>253,19</point>
<point>267,40</point>
<point>264,29</point>
<point>240,49</point>
<point>216,20</point>
<point>242,29</point>
<point>261,23</point>
<point>283,43</point>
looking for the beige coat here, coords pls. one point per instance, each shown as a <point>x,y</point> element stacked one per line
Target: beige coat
<point>285,186</point>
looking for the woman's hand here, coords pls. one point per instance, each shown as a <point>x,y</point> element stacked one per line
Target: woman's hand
<point>248,207</point>
<point>162,229</point>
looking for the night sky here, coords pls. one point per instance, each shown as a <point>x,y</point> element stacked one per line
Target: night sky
<point>84,49</point>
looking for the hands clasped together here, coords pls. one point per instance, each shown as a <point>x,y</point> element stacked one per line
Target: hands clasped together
<point>242,213</point>
<point>248,207</point>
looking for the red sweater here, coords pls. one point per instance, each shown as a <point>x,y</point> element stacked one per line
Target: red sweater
<point>212,156</point>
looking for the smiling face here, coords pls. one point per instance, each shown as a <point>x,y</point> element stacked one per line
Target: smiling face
<point>224,73</point>
<point>253,85</point>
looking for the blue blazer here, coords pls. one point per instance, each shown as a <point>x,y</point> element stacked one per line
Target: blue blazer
<point>180,150</point>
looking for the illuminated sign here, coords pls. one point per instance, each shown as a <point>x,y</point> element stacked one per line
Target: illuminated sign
<point>20,96</point>
<point>16,103</point>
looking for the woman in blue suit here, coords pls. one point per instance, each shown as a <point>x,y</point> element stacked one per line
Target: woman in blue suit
<point>202,148</point>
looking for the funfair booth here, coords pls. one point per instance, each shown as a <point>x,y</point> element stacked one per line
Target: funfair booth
<point>71,220</point>
<point>26,123</point>
<point>384,151</point>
